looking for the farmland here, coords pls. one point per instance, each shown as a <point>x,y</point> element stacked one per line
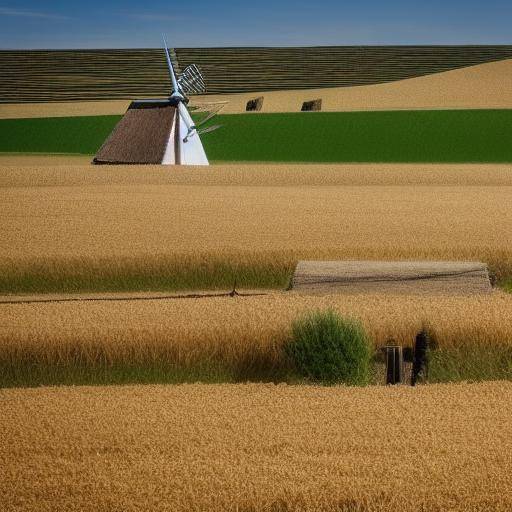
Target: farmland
<point>141,230</point>
<point>483,86</point>
<point>257,447</point>
<point>395,136</point>
<point>84,229</point>
<point>118,278</point>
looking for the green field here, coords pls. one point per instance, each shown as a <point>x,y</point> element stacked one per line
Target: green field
<point>81,135</point>
<point>397,136</point>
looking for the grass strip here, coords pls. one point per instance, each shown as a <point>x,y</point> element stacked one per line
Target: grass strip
<point>159,274</point>
<point>166,274</point>
<point>471,361</point>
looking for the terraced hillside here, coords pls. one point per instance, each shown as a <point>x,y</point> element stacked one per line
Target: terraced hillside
<point>60,75</point>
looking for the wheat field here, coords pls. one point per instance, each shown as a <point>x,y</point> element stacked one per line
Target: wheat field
<point>257,448</point>
<point>244,336</point>
<point>79,228</point>
<point>481,86</point>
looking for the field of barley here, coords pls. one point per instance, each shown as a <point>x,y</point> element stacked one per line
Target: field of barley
<point>198,448</point>
<point>81,229</point>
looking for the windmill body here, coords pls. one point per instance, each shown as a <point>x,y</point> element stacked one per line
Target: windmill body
<point>159,131</point>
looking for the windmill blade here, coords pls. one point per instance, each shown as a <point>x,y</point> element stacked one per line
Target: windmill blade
<point>211,109</point>
<point>209,129</point>
<point>175,85</point>
<point>191,80</point>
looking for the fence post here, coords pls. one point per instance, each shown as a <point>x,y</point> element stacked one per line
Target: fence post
<point>394,364</point>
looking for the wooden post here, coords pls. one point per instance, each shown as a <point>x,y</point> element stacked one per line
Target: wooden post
<point>394,364</point>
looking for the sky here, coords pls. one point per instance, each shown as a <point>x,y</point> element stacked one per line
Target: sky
<point>139,24</point>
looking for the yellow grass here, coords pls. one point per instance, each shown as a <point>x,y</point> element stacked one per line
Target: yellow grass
<point>115,221</point>
<point>257,447</point>
<point>482,86</point>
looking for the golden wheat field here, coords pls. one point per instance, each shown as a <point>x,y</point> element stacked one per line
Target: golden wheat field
<point>486,85</point>
<point>63,219</point>
<point>239,333</point>
<point>257,447</point>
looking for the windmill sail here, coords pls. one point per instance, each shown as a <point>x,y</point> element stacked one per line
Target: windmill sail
<point>174,82</point>
<point>191,81</point>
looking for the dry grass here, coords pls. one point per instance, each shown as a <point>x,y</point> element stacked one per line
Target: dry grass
<point>132,225</point>
<point>257,447</point>
<point>244,336</point>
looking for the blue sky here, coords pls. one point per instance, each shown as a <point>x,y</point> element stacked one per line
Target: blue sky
<point>128,23</point>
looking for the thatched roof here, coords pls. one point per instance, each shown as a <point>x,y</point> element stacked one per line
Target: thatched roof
<point>442,277</point>
<point>140,137</point>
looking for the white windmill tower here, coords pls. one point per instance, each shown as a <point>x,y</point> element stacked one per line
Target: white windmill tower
<point>184,145</point>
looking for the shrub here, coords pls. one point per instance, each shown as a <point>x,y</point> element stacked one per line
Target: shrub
<point>330,349</point>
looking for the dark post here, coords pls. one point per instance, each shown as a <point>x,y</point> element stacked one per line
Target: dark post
<point>419,363</point>
<point>394,364</point>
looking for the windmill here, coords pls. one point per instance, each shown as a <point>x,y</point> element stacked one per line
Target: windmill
<point>184,146</point>
<point>160,131</point>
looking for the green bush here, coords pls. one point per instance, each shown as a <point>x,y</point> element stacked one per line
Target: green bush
<point>330,349</point>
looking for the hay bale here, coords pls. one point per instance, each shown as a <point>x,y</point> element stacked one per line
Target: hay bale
<point>254,105</point>
<point>312,106</point>
<point>423,277</point>
<point>140,137</point>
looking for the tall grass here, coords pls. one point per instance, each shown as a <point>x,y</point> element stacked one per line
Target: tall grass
<point>472,360</point>
<point>157,273</point>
